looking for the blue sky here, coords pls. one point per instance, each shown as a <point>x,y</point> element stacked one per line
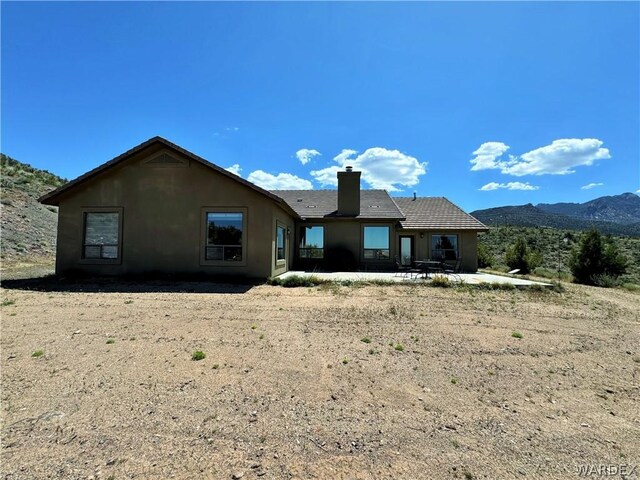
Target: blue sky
<point>546,94</point>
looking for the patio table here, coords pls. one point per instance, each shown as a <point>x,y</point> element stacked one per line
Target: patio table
<point>429,266</point>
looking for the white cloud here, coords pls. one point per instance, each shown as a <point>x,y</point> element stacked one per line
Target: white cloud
<point>589,186</point>
<point>235,169</point>
<point>381,168</point>
<point>327,176</point>
<point>559,158</point>
<point>508,186</point>
<point>305,155</point>
<point>487,154</point>
<point>281,181</point>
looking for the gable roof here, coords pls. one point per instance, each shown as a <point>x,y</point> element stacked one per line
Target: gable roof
<point>436,213</point>
<point>374,204</point>
<point>52,198</point>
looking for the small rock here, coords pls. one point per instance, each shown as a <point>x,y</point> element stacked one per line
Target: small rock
<point>586,425</point>
<point>237,475</point>
<point>13,355</point>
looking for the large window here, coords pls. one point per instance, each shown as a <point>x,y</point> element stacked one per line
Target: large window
<point>281,234</point>
<point>376,243</point>
<point>311,242</point>
<point>224,236</point>
<point>444,247</point>
<point>101,235</point>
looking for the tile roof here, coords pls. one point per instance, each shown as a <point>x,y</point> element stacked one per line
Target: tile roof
<point>435,213</point>
<point>374,204</point>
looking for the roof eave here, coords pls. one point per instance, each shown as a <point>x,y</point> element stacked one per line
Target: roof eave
<point>52,198</point>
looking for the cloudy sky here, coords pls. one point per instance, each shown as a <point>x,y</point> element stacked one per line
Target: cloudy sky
<point>485,103</point>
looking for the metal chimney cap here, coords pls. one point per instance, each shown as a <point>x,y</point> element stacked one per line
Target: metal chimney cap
<point>349,168</point>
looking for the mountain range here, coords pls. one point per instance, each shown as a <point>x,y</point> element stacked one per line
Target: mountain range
<point>616,215</point>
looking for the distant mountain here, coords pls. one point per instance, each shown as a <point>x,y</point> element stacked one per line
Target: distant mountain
<point>617,215</point>
<point>28,227</point>
<point>624,208</point>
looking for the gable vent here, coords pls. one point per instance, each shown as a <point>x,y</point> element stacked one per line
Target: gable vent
<point>165,159</point>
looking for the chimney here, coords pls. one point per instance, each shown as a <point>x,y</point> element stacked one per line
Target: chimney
<point>349,192</point>
<point>414,196</point>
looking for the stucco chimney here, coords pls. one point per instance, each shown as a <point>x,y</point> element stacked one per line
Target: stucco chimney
<point>349,192</point>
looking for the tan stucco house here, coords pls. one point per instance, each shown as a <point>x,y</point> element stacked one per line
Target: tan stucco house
<point>158,208</point>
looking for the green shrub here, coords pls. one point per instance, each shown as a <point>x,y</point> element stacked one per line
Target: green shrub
<point>519,256</point>
<point>399,347</point>
<point>605,281</point>
<point>485,257</point>
<point>37,353</point>
<point>517,335</point>
<point>293,281</point>
<point>110,341</point>
<point>365,340</point>
<point>198,355</point>
<point>595,262</point>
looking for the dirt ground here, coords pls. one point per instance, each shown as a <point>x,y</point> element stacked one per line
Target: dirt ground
<point>289,389</point>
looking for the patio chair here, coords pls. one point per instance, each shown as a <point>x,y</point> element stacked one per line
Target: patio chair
<point>453,270</point>
<point>405,270</point>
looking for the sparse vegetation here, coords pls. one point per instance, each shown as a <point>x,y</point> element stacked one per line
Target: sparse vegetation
<point>365,340</point>
<point>399,347</point>
<point>556,245</point>
<point>198,355</point>
<point>37,353</point>
<point>7,302</point>
<point>111,341</point>
<point>441,281</point>
<point>517,335</point>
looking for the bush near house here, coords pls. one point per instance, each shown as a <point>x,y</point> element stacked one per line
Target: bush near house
<point>521,257</point>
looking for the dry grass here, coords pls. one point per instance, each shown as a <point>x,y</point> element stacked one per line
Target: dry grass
<point>463,398</point>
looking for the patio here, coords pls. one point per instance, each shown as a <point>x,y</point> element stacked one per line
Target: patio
<point>469,278</point>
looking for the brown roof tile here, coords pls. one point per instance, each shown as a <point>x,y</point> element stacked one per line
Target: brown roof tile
<point>374,204</point>
<point>435,213</point>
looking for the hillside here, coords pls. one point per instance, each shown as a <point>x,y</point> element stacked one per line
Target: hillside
<point>555,250</point>
<point>28,228</point>
<point>624,208</point>
<point>615,215</point>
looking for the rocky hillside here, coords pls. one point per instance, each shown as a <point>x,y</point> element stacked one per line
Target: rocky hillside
<point>28,228</point>
<point>616,215</point>
<point>624,208</point>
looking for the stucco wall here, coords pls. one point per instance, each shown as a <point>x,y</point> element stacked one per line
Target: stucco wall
<point>162,220</point>
<point>348,234</point>
<point>467,245</point>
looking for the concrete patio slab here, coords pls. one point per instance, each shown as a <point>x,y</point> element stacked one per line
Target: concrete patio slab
<point>469,278</point>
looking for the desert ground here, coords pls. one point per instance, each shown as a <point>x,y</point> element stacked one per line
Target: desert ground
<point>326,382</point>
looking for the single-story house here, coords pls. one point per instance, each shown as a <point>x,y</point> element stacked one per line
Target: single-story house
<point>158,208</point>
